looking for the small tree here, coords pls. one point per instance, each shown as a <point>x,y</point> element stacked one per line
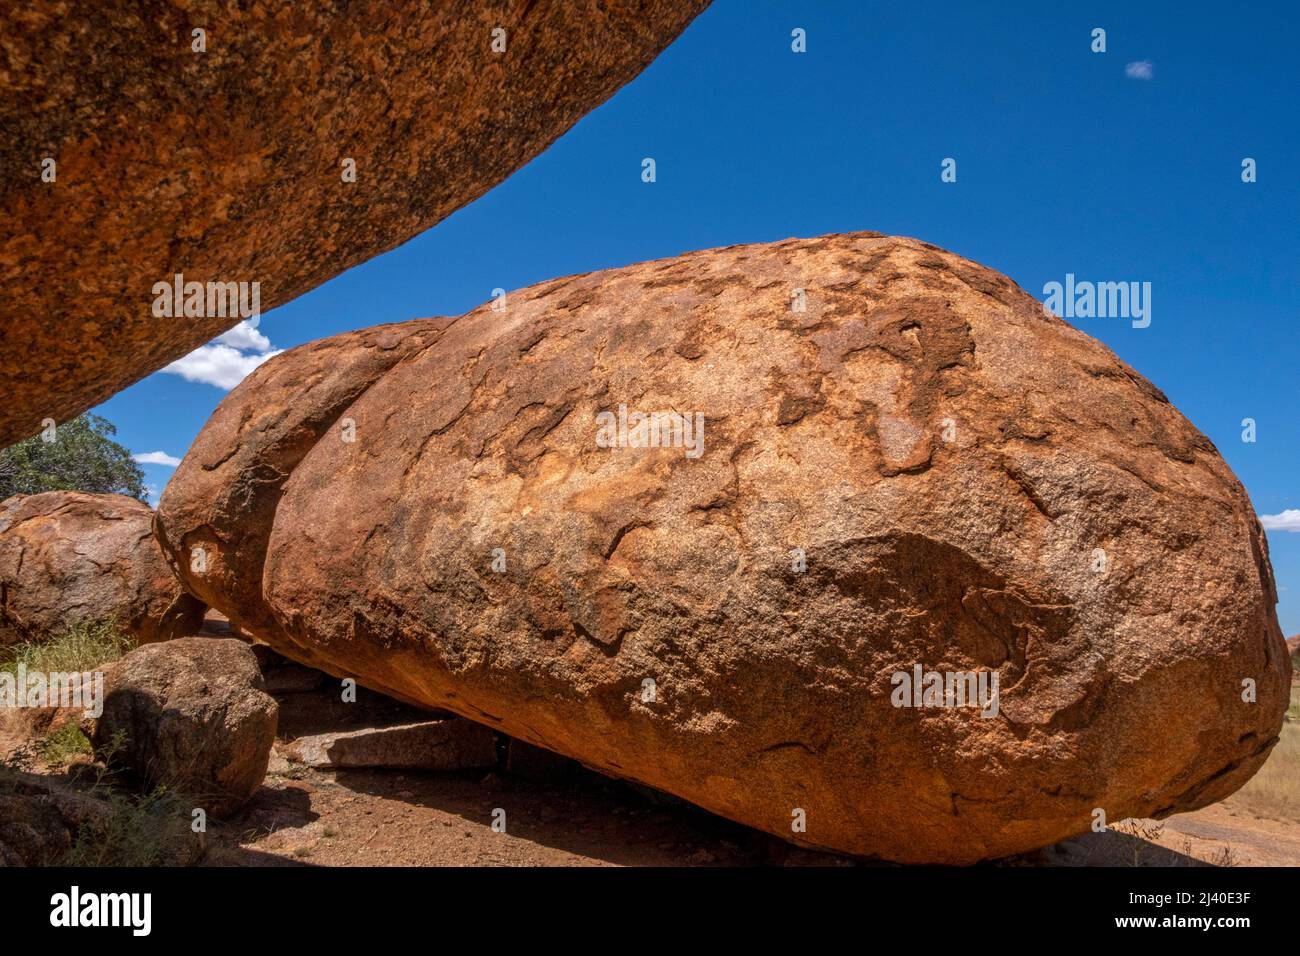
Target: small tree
<point>82,457</point>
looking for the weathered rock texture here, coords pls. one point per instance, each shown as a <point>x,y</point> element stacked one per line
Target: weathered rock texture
<point>951,461</point>
<point>191,714</point>
<point>67,555</point>
<point>40,820</point>
<point>44,821</point>
<point>226,165</point>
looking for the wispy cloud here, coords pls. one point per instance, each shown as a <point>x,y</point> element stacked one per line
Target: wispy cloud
<point>227,359</point>
<point>1288,520</point>
<point>1140,70</point>
<point>157,458</point>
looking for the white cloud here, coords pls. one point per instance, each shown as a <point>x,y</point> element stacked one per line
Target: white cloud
<point>1140,70</point>
<point>157,458</point>
<point>245,337</point>
<point>1288,520</point>
<point>218,365</point>
<point>227,359</point>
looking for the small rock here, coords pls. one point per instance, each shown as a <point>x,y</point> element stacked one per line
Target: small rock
<point>42,819</point>
<point>39,821</point>
<point>34,724</point>
<point>192,715</point>
<point>277,764</point>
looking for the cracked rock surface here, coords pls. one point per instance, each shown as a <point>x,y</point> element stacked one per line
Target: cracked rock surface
<point>973,486</point>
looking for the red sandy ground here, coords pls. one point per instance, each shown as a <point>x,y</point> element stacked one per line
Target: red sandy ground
<point>408,818</point>
<point>368,818</point>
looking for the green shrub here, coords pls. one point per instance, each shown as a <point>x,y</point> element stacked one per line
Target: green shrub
<point>82,457</point>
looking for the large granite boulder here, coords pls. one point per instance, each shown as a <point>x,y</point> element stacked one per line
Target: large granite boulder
<point>861,456</point>
<point>68,556</point>
<point>228,164</point>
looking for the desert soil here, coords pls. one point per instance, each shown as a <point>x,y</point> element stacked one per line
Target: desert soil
<point>380,818</point>
<point>409,818</point>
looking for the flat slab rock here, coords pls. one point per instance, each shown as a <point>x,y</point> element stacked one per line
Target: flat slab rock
<point>451,744</point>
<point>905,463</point>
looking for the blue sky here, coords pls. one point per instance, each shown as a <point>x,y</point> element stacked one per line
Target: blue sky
<point>1065,163</point>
